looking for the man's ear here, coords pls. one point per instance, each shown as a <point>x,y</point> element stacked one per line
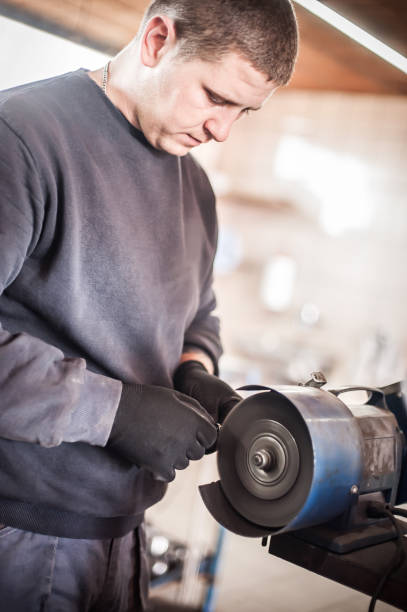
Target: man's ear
<point>158,38</point>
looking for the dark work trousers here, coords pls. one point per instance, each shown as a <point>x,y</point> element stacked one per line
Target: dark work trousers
<point>40,573</point>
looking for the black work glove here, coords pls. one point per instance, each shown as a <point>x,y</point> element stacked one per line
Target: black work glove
<point>216,396</point>
<point>160,429</point>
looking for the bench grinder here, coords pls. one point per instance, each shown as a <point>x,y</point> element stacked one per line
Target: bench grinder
<point>293,457</point>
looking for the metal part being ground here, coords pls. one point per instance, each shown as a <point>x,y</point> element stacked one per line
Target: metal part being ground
<point>265,460</point>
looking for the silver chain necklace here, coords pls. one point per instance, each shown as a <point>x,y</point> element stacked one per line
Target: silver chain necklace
<point>105,78</point>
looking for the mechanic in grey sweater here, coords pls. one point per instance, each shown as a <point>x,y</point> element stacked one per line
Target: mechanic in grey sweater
<point>107,240</point>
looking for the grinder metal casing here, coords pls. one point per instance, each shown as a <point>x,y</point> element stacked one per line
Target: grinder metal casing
<point>295,456</point>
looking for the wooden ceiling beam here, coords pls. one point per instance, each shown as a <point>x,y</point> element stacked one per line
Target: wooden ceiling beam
<point>329,60</point>
<point>106,24</point>
<point>387,20</point>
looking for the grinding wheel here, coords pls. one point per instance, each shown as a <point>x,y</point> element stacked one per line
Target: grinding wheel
<point>265,460</point>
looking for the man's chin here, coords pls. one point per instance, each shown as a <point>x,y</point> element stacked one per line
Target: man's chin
<point>176,145</point>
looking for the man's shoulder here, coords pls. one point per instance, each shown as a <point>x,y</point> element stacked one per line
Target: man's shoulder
<point>43,109</point>
<point>36,102</point>
<point>30,93</point>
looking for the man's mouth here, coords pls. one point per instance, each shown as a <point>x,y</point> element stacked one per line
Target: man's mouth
<point>194,141</point>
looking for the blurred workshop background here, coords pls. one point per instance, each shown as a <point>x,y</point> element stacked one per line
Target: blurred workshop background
<point>310,271</point>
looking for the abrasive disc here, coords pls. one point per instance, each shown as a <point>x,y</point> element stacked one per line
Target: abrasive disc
<point>265,459</point>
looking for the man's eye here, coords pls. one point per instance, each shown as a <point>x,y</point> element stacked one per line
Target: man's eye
<point>214,99</point>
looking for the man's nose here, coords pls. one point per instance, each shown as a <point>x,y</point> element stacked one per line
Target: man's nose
<point>220,123</point>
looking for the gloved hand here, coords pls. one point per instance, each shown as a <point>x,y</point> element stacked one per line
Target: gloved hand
<point>160,429</point>
<point>216,396</point>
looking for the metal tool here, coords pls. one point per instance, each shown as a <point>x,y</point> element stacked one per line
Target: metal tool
<point>293,457</point>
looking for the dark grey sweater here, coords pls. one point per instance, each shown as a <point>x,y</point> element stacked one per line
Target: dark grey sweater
<point>106,252</point>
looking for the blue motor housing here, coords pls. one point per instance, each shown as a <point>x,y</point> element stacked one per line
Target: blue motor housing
<point>292,457</point>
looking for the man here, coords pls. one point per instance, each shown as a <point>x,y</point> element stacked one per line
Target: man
<point>107,240</point>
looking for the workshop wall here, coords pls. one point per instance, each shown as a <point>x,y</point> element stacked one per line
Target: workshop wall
<point>313,187</point>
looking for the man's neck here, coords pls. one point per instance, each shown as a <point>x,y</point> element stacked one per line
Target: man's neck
<point>115,95</point>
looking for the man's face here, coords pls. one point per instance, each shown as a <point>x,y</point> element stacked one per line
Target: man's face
<point>192,102</point>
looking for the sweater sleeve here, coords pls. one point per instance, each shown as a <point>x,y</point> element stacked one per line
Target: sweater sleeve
<point>45,397</point>
<point>203,332</point>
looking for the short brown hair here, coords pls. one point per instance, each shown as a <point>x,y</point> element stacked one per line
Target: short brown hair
<point>263,31</point>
